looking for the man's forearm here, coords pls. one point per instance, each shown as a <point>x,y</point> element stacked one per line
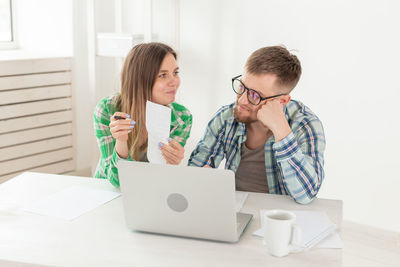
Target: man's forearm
<point>302,172</point>
<point>282,131</point>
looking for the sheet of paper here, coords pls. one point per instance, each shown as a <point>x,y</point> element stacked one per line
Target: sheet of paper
<point>158,121</point>
<point>240,199</point>
<point>316,228</point>
<point>71,202</point>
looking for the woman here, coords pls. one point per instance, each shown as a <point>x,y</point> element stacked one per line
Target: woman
<point>150,72</point>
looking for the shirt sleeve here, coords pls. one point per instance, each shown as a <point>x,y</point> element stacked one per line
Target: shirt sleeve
<point>182,132</point>
<point>301,158</point>
<point>109,158</point>
<point>209,151</point>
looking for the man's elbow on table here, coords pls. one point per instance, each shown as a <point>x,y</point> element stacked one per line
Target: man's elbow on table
<point>304,200</point>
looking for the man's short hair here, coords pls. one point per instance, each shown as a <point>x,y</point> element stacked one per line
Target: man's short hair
<point>275,60</point>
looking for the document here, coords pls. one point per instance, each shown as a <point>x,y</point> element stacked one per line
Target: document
<point>317,229</point>
<point>240,199</point>
<point>71,202</point>
<point>158,121</point>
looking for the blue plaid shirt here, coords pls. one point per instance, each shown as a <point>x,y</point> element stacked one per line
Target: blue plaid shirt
<point>294,165</point>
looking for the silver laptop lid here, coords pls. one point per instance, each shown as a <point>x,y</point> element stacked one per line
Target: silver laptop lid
<point>179,200</point>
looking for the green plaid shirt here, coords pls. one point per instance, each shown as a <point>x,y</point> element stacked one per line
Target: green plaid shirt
<point>181,124</point>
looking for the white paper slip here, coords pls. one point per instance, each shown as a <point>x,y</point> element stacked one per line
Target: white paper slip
<point>315,226</point>
<point>240,199</point>
<point>158,121</point>
<point>71,202</point>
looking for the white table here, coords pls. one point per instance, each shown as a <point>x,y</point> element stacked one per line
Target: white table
<point>100,237</point>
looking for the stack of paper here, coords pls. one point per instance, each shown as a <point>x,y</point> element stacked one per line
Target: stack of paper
<point>315,226</point>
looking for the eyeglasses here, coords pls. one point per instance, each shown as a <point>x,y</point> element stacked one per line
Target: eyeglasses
<point>253,96</point>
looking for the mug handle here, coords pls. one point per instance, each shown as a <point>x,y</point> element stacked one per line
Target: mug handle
<point>296,238</point>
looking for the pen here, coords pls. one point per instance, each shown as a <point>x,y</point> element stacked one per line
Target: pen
<point>119,118</point>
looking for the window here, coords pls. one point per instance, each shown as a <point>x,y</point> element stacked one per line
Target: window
<point>7,34</point>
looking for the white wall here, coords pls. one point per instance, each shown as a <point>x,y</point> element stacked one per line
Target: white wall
<point>349,53</point>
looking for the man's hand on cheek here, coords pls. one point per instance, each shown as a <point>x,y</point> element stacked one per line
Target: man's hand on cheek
<point>270,113</point>
<point>272,116</point>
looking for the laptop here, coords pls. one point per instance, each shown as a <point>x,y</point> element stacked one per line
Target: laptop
<point>181,201</point>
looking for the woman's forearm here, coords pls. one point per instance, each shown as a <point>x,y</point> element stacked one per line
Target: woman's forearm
<point>122,148</point>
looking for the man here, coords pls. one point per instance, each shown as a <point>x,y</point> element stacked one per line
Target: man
<point>272,143</point>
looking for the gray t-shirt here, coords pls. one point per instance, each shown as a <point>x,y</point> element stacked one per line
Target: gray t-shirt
<point>250,175</point>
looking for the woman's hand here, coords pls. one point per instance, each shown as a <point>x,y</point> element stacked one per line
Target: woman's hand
<point>173,152</point>
<point>120,128</point>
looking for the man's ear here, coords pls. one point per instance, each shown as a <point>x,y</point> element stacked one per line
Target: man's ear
<point>284,99</point>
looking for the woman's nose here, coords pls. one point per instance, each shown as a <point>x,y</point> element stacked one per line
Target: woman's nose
<point>173,80</point>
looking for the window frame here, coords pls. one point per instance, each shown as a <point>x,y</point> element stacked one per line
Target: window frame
<point>14,43</point>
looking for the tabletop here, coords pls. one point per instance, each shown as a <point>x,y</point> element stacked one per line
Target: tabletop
<point>101,238</point>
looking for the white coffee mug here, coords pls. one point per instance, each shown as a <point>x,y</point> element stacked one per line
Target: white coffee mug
<point>281,234</point>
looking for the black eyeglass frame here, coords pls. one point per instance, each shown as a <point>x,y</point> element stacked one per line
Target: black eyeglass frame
<point>248,92</point>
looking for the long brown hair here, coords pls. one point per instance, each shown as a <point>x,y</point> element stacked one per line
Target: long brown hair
<point>140,70</point>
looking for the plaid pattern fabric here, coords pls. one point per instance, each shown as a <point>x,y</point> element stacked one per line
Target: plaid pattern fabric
<point>181,124</point>
<point>294,165</point>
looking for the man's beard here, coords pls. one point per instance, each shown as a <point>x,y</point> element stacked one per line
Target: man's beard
<point>242,119</point>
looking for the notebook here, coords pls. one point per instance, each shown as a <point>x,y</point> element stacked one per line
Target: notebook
<point>315,226</point>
